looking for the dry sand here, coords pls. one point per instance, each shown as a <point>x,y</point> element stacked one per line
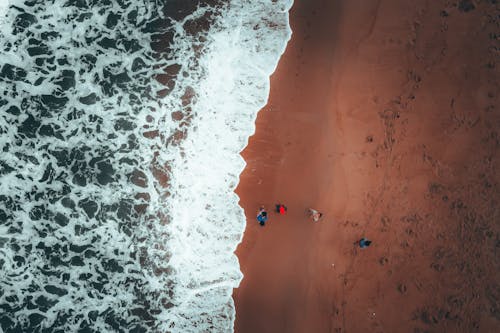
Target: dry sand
<point>384,116</point>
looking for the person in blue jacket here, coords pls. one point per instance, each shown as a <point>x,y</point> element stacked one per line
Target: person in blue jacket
<point>262,216</point>
<point>364,243</point>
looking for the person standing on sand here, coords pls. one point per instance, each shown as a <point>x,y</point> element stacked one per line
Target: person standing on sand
<point>262,216</point>
<point>281,209</point>
<point>364,243</point>
<point>314,214</point>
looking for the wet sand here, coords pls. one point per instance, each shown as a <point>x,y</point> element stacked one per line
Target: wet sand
<point>384,116</point>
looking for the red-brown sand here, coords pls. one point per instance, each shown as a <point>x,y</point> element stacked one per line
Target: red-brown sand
<point>383,115</point>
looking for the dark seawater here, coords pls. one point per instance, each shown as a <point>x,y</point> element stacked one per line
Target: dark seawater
<point>77,88</point>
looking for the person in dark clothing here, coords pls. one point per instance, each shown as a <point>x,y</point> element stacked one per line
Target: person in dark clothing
<point>364,243</point>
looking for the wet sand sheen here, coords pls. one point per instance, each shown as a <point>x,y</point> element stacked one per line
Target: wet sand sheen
<point>382,115</point>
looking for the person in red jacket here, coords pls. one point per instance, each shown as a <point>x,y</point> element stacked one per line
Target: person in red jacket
<point>281,209</point>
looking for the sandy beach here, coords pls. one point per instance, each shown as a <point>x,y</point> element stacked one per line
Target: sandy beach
<point>382,115</point>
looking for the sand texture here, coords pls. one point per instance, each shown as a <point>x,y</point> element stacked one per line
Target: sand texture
<point>384,116</point>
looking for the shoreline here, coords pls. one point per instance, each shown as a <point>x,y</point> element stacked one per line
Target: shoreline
<point>278,141</point>
<point>380,116</point>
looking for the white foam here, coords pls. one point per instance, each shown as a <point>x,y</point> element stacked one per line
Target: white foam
<point>207,223</point>
<point>4,4</point>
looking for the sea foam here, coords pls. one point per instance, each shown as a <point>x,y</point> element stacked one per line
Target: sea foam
<point>117,210</point>
<point>241,52</point>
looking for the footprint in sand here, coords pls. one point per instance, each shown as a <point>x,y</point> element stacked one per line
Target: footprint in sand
<point>402,288</point>
<point>382,261</point>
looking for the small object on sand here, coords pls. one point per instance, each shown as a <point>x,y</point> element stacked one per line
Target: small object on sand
<point>363,243</point>
<point>281,209</point>
<point>262,216</point>
<point>314,214</point>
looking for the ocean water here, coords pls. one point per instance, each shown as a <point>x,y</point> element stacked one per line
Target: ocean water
<point>121,123</point>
